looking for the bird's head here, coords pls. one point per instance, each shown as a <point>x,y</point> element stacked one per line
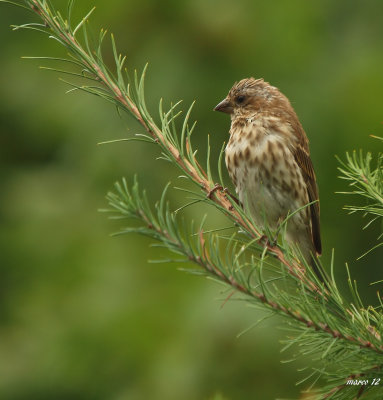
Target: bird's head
<point>248,97</point>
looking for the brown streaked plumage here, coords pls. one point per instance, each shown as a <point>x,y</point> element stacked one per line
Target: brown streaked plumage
<point>268,159</point>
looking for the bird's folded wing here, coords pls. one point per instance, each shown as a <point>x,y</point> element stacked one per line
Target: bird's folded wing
<point>303,160</point>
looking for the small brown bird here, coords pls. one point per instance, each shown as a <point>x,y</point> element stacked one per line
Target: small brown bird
<point>268,159</point>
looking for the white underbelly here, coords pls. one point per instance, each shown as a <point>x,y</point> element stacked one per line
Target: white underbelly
<point>265,185</point>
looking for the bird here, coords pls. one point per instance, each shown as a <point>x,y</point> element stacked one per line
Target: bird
<point>268,159</point>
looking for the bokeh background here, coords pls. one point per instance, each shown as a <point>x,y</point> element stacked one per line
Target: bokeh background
<point>84,315</point>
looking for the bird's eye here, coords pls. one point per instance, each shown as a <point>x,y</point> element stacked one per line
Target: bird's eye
<point>240,99</point>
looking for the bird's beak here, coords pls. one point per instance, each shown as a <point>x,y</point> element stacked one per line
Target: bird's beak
<point>224,106</point>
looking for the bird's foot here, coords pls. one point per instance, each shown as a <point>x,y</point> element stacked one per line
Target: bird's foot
<point>216,187</point>
<point>226,191</point>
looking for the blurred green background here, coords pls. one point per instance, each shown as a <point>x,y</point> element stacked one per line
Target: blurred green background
<point>83,315</point>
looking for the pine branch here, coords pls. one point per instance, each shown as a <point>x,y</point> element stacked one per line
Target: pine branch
<point>165,228</point>
<point>343,337</point>
<point>366,182</point>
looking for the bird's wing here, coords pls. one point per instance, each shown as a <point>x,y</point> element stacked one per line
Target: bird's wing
<point>302,158</point>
